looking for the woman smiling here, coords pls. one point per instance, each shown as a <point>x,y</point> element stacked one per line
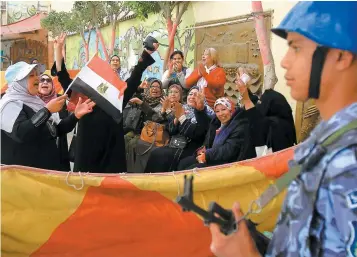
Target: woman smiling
<point>30,126</point>
<point>228,138</point>
<point>47,92</point>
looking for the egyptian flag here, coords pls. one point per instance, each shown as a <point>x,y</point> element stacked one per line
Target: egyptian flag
<point>99,82</point>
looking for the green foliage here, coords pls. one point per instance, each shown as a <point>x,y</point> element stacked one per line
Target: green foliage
<point>56,22</point>
<point>89,13</point>
<point>115,10</point>
<point>143,8</point>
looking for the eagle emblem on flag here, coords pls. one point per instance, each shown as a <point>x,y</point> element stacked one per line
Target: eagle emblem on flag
<point>102,88</point>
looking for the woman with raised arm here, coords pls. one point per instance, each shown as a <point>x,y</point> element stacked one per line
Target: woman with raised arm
<point>29,126</point>
<point>100,146</point>
<point>208,76</point>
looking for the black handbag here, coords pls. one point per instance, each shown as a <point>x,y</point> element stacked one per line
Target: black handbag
<point>132,118</point>
<point>178,141</point>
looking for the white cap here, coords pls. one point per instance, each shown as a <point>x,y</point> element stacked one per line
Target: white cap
<point>19,71</point>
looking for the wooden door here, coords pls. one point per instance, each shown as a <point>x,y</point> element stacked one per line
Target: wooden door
<point>25,50</point>
<point>306,118</point>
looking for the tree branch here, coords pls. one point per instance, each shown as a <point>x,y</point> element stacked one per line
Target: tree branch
<point>89,32</point>
<point>177,10</point>
<point>82,35</point>
<point>179,41</point>
<point>182,11</point>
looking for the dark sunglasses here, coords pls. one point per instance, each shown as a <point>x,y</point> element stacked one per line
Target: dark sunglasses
<point>48,80</point>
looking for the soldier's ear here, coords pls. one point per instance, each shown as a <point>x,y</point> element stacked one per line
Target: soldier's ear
<point>345,60</point>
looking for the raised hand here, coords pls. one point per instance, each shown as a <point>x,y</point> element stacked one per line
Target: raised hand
<point>199,98</point>
<point>144,84</point>
<point>156,46</point>
<point>83,108</point>
<point>242,86</point>
<point>201,68</point>
<point>171,67</point>
<point>165,102</point>
<point>60,40</point>
<point>179,110</point>
<point>56,104</point>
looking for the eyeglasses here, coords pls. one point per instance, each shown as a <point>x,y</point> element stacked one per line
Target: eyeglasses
<point>155,87</point>
<point>43,80</point>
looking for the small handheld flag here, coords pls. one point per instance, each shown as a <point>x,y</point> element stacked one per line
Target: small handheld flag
<point>99,82</point>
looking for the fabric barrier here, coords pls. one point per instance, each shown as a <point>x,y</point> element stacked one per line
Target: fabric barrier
<point>129,215</point>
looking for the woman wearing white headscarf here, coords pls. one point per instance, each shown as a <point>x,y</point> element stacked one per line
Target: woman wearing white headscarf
<point>29,126</point>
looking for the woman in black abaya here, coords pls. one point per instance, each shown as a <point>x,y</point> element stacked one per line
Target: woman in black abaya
<point>100,144</point>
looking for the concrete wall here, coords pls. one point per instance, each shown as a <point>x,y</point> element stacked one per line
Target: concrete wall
<point>129,36</point>
<point>210,11</point>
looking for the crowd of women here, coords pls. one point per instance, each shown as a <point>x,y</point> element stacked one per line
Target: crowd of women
<point>182,121</point>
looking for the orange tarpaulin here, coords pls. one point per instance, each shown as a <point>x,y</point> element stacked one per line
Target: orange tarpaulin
<point>54,214</point>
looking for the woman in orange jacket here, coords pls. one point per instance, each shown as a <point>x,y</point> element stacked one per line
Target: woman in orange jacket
<point>208,76</point>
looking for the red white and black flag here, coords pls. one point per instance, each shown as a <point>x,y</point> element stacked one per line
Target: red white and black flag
<point>99,82</point>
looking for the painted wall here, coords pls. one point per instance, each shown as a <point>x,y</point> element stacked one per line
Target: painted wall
<point>209,11</point>
<point>128,43</point>
<point>19,10</point>
<point>200,11</point>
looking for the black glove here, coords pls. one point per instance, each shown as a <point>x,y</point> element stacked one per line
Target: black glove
<point>149,43</point>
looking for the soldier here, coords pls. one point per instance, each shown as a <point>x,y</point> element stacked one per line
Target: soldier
<point>319,216</point>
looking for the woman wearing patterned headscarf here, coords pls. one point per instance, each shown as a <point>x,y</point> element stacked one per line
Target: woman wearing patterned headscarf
<point>228,138</point>
<point>185,127</point>
<point>47,92</point>
<point>149,102</point>
<point>29,126</point>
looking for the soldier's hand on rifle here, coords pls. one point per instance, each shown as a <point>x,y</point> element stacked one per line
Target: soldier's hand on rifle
<point>238,244</point>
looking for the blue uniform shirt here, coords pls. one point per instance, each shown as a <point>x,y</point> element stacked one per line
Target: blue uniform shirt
<point>319,215</point>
